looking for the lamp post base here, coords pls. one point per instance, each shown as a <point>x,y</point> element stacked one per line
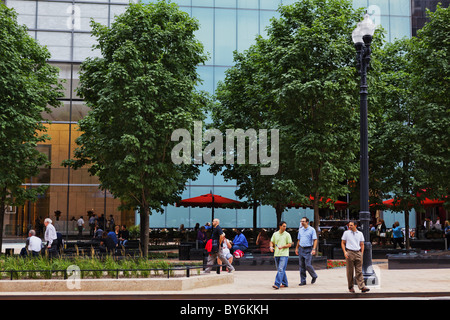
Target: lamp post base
<point>370,277</point>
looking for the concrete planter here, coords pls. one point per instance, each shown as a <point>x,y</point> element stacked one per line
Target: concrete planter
<point>151,284</point>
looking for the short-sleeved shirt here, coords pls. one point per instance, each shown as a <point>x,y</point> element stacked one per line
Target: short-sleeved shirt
<point>217,231</point>
<point>279,240</point>
<point>307,236</point>
<point>353,239</point>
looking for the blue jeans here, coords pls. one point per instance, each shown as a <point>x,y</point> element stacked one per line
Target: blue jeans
<point>281,264</point>
<point>305,263</point>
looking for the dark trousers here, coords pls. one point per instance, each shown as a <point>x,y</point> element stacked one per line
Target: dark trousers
<point>53,250</point>
<point>398,241</point>
<point>305,263</point>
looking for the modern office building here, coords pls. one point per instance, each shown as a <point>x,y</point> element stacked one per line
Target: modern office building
<point>226,25</point>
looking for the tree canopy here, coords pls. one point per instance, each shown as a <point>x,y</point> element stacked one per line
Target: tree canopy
<point>139,92</point>
<point>28,86</point>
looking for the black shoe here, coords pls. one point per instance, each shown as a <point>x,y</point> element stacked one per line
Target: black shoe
<point>302,284</point>
<point>365,289</point>
<point>314,280</point>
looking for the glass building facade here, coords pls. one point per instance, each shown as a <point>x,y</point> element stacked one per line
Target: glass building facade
<point>225,26</point>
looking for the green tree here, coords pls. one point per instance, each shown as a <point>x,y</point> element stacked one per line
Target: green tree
<point>28,85</point>
<point>315,86</point>
<point>431,69</point>
<point>301,79</point>
<point>394,145</point>
<point>244,102</point>
<point>139,92</point>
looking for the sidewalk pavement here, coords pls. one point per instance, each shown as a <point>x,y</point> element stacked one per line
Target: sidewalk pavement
<point>331,284</point>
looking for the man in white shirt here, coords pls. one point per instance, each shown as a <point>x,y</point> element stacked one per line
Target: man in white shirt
<point>353,246</point>
<point>50,236</point>
<point>34,244</point>
<point>80,224</point>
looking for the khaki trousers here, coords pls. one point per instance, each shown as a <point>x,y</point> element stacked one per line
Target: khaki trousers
<point>354,263</point>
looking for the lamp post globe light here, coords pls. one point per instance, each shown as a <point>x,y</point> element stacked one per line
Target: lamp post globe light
<point>362,37</point>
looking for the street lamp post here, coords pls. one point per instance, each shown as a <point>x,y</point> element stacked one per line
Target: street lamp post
<point>362,37</point>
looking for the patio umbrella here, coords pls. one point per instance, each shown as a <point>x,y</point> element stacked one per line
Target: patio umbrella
<point>339,205</point>
<point>426,202</point>
<point>210,200</point>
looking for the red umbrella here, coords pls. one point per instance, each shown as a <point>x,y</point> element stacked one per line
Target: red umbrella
<point>340,205</point>
<point>426,202</point>
<point>210,201</point>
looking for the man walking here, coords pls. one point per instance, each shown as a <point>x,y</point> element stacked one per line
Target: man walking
<point>80,224</point>
<point>217,250</point>
<point>280,243</point>
<point>51,237</point>
<point>305,249</point>
<point>353,246</point>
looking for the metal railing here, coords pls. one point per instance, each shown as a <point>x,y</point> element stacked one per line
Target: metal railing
<point>100,273</point>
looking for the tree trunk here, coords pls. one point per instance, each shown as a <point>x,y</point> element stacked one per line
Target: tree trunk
<point>255,214</point>
<point>145,226</point>
<point>316,218</point>
<point>407,242</point>
<point>279,211</point>
<point>316,212</point>
<point>2,216</point>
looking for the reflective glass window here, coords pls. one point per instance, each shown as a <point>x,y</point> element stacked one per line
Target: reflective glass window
<point>203,3</point>
<point>54,15</point>
<point>400,27</point>
<point>269,4</point>
<point>206,73</point>
<point>26,11</point>
<point>205,34</point>
<point>182,2</point>
<point>82,49</point>
<point>360,4</point>
<point>219,74</point>
<point>58,43</point>
<point>264,20</point>
<point>225,36</point>
<point>248,28</point>
<point>400,7</point>
<point>248,4</point>
<point>383,6</point>
<point>203,179</point>
<point>225,3</point>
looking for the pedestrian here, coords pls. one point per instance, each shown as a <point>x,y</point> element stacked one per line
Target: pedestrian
<point>280,243</point>
<point>397,235</point>
<point>447,233</point>
<point>92,221</point>
<point>305,249</point>
<point>80,224</point>
<point>353,246</point>
<point>51,237</point>
<point>217,251</point>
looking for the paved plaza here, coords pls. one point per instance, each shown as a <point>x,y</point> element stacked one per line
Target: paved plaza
<point>331,284</point>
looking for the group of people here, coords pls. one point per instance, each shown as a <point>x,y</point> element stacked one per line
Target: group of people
<point>110,240</point>
<point>34,245</point>
<point>352,243</point>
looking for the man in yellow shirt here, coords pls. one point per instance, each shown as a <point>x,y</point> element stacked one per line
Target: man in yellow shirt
<point>280,243</point>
